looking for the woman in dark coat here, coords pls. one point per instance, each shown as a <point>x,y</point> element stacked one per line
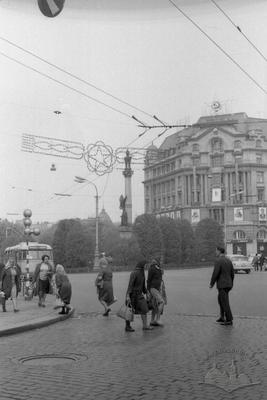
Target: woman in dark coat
<point>10,284</point>
<point>135,295</point>
<point>104,284</point>
<point>64,288</point>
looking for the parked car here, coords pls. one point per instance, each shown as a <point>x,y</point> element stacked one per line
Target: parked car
<point>240,263</point>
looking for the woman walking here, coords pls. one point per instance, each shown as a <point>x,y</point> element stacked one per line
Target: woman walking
<point>42,279</point>
<point>156,289</point>
<point>10,284</point>
<point>104,285</point>
<point>135,295</point>
<point>64,288</point>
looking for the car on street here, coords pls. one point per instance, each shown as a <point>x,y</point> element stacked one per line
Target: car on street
<point>240,263</point>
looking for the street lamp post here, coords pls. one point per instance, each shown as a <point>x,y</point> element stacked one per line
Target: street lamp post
<point>28,231</point>
<point>79,179</point>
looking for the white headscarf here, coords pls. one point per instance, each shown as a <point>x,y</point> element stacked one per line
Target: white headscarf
<point>60,269</point>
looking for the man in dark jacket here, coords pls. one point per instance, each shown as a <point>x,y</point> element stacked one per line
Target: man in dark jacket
<point>223,275</point>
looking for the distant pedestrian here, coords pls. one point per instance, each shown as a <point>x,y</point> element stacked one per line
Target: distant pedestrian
<point>223,275</point>
<point>10,284</point>
<point>255,262</point>
<point>156,289</point>
<point>104,284</point>
<point>64,288</point>
<point>135,295</point>
<point>261,261</point>
<point>42,279</point>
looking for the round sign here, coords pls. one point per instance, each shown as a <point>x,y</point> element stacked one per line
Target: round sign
<point>216,106</point>
<point>51,8</point>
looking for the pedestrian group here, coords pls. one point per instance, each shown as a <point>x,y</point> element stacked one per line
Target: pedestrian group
<point>142,294</point>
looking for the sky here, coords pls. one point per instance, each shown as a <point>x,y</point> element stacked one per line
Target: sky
<point>145,53</point>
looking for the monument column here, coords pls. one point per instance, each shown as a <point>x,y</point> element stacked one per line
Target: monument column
<point>126,200</point>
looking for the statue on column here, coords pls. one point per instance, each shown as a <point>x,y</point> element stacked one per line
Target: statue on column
<point>124,216</point>
<point>127,160</point>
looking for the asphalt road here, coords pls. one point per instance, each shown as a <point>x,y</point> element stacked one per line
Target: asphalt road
<point>187,290</point>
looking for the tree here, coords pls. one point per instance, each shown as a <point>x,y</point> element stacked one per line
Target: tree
<point>209,234</point>
<point>148,235</point>
<point>71,244</point>
<point>187,240</point>
<point>171,239</point>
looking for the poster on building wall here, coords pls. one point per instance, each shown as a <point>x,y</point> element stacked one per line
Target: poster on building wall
<point>195,215</point>
<point>238,214</point>
<point>262,214</point>
<point>216,194</point>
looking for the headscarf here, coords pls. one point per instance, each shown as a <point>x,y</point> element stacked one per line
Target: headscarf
<point>141,264</point>
<point>10,263</point>
<point>60,269</point>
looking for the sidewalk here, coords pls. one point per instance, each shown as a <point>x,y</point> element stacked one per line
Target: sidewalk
<point>30,315</point>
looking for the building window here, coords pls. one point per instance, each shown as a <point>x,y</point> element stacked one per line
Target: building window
<point>179,197</point>
<point>195,147</point>
<point>258,158</point>
<point>237,144</point>
<point>239,235</point>
<point>258,143</point>
<point>216,145</point>
<point>196,161</point>
<point>217,161</point>
<point>261,235</point>
<point>260,194</point>
<point>260,177</point>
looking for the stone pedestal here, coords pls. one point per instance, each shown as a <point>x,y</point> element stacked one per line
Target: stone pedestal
<point>126,232</point>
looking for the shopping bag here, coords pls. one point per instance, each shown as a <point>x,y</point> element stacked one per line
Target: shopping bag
<point>126,312</point>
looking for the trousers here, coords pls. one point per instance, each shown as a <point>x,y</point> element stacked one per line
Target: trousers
<point>223,300</point>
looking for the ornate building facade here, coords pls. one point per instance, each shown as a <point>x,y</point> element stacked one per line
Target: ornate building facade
<point>216,168</point>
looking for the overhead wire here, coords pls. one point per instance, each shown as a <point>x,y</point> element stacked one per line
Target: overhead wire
<point>66,85</point>
<point>75,76</point>
<point>239,30</point>
<point>218,47</point>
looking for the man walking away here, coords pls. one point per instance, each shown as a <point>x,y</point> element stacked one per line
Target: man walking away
<point>223,275</point>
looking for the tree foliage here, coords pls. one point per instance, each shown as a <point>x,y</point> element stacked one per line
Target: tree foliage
<point>171,240</point>
<point>148,234</point>
<point>71,245</point>
<point>187,241</point>
<point>209,234</point>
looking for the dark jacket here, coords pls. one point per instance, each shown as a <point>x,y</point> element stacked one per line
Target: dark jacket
<point>223,273</point>
<point>154,277</point>
<point>6,281</point>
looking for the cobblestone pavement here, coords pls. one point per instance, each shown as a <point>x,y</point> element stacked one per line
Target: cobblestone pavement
<point>108,363</point>
<point>183,360</point>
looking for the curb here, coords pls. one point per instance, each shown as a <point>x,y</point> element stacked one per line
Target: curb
<point>36,325</point>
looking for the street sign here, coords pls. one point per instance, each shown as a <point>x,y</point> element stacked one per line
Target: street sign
<point>51,8</point>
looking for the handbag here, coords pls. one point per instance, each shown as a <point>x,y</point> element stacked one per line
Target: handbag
<point>126,312</point>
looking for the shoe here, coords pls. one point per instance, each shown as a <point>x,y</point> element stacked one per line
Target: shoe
<point>107,312</point>
<point>226,323</point>
<point>220,320</point>
<point>42,305</point>
<point>129,329</point>
<point>155,323</point>
<point>148,328</point>
<point>16,310</point>
<point>113,301</point>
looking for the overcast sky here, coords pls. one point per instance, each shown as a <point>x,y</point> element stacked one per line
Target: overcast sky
<point>144,52</point>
